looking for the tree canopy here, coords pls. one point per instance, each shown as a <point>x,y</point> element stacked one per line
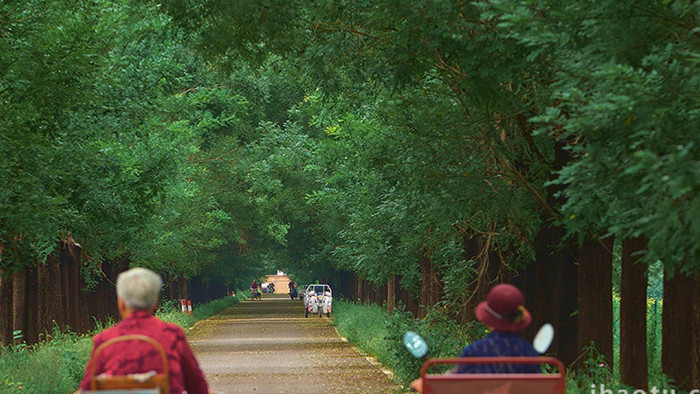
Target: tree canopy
<point>207,137</point>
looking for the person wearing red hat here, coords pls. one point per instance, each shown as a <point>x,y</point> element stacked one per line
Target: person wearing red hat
<point>505,314</point>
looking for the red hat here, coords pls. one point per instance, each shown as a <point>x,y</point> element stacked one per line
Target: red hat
<point>504,309</point>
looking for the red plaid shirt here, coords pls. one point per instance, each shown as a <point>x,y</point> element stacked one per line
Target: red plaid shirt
<point>138,357</point>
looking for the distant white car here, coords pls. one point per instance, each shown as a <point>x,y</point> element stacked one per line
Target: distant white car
<point>318,299</point>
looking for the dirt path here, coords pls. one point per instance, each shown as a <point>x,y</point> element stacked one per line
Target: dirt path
<point>269,347</point>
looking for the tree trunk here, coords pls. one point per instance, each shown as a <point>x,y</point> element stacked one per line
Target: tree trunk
<point>19,285</point>
<point>431,284</point>
<point>470,246</point>
<point>595,297</point>
<point>56,294</point>
<point>406,298</point>
<point>677,335</point>
<point>379,294</point>
<point>550,285</point>
<point>551,281</point>
<point>182,289</point>
<point>695,341</point>
<point>171,286</point>
<point>5,308</point>
<point>69,257</point>
<point>488,272</point>
<point>633,315</point>
<point>70,266</point>
<point>45,307</point>
<point>391,294</point>
<point>31,305</point>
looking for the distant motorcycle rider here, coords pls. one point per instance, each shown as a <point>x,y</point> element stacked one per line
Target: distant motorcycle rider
<point>254,293</point>
<point>292,289</point>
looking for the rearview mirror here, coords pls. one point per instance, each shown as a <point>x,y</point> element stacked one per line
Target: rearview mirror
<point>415,344</point>
<point>544,338</point>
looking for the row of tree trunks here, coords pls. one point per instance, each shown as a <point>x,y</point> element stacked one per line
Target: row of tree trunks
<point>48,295</point>
<point>365,291</point>
<point>202,291</point>
<point>51,295</point>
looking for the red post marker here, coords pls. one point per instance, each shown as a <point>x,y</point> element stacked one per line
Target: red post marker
<point>183,305</point>
<point>189,306</point>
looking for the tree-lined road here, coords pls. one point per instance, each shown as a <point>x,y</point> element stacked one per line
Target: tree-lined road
<point>269,347</point>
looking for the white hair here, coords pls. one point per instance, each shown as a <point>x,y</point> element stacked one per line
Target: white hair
<point>139,288</point>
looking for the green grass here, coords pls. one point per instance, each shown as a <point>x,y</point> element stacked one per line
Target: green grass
<point>57,364</point>
<point>358,323</point>
<point>375,332</point>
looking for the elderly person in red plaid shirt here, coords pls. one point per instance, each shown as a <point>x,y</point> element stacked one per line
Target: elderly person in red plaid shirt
<point>137,296</point>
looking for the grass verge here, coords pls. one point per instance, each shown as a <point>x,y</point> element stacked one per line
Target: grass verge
<point>57,364</point>
<point>375,332</point>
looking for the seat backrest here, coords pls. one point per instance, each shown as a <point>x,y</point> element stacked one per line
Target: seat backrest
<point>487,383</point>
<point>137,383</point>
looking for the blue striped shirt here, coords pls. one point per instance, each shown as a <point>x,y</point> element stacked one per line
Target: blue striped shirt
<point>500,344</point>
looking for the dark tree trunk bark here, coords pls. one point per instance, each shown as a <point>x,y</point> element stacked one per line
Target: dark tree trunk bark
<point>182,289</point>
<point>30,307</point>
<point>70,266</point>
<point>19,286</point>
<point>171,287</point>
<point>550,285</point>
<point>5,308</point>
<point>358,289</point>
<point>487,266</point>
<point>42,312</point>
<point>85,321</point>
<point>406,298</point>
<point>354,294</point>
<point>595,296</point>
<point>695,341</point>
<point>551,281</point>
<point>379,294</point>
<point>431,284</point>
<point>391,294</point>
<point>488,273</point>
<point>56,294</point>
<point>633,315</point>
<point>67,304</point>
<point>470,246</point>
<point>678,335</point>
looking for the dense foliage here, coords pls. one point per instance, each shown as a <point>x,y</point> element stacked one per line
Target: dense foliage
<point>205,137</point>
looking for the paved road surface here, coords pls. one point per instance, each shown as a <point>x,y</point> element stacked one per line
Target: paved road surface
<point>269,347</point>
